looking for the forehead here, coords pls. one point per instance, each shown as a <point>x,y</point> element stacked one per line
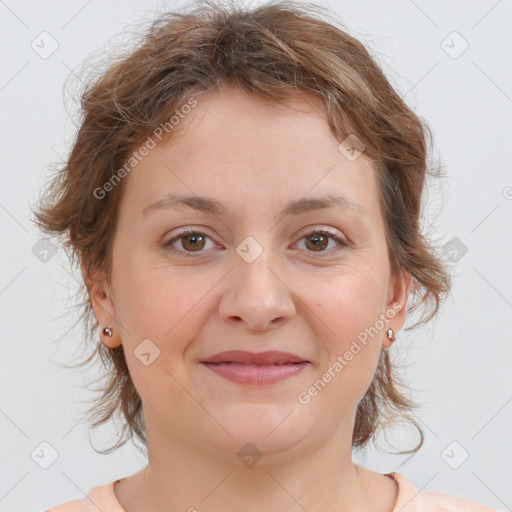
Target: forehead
<point>238,148</point>
<point>234,116</point>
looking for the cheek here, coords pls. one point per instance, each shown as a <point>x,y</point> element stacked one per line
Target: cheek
<point>168,307</point>
<point>347,311</point>
<point>350,305</point>
<point>163,303</point>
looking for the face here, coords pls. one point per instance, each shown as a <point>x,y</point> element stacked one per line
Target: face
<point>252,277</point>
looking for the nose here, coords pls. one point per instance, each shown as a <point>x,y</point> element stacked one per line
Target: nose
<point>257,295</point>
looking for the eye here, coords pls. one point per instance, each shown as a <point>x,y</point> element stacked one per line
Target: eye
<point>318,240</point>
<point>192,241</point>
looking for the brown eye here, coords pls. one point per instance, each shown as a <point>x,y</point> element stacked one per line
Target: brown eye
<point>191,242</point>
<point>195,241</point>
<point>318,240</point>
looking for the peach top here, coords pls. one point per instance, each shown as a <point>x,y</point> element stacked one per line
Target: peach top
<point>410,499</point>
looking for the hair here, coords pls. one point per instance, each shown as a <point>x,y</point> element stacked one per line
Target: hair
<point>272,51</point>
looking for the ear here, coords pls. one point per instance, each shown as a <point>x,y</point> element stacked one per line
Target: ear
<point>396,307</point>
<point>102,304</point>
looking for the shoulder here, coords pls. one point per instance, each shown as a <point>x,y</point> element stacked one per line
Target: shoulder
<point>70,506</point>
<point>101,497</point>
<point>414,499</point>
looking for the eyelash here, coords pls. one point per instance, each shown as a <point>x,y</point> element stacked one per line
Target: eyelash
<point>191,254</point>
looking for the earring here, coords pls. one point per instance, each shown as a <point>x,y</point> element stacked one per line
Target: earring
<point>107,332</point>
<point>391,335</point>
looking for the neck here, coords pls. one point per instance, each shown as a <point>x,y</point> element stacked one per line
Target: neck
<point>190,476</point>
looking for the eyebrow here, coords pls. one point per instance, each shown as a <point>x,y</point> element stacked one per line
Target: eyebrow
<point>214,207</point>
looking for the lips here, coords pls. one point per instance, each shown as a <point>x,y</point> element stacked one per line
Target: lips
<point>249,358</point>
<point>260,369</point>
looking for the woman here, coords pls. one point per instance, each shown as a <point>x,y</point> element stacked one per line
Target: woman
<point>243,201</point>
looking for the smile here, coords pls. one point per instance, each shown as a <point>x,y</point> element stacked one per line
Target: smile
<point>256,374</point>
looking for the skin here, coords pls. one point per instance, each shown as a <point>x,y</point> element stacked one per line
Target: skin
<point>253,157</point>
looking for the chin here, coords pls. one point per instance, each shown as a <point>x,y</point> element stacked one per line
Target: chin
<point>269,427</point>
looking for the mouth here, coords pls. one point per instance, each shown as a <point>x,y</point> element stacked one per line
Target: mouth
<point>250,364</point>
<point>243,357</point>
<point>255,369</point>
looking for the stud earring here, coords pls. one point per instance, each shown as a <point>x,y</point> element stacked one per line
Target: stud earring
<point>107,332</point>
<point>391,335</point>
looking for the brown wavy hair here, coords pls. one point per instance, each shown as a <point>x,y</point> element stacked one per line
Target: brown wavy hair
<point>271,51</point>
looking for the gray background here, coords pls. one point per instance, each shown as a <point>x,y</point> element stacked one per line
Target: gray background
<point>459,365</point>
